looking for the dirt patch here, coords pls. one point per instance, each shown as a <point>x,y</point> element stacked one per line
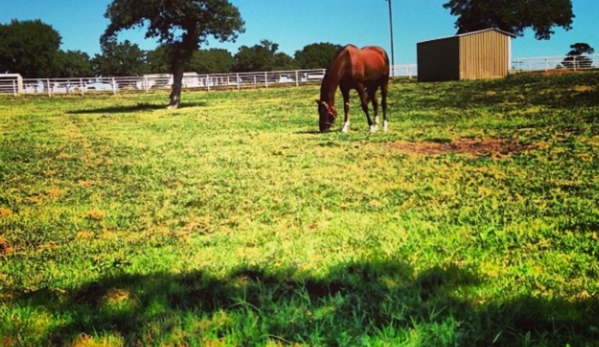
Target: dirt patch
<point>472,146</point>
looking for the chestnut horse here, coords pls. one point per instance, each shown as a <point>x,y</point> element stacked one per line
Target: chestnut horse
<point>364,70</point>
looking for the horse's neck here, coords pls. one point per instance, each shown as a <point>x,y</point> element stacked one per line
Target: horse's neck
<point>329,85</point>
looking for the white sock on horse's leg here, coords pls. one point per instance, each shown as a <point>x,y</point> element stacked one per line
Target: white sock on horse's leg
<point>375,126</point>
<point>345,127</point>
<point>385,125</point>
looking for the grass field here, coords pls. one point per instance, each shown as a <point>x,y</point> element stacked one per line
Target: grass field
<point>231,222</point>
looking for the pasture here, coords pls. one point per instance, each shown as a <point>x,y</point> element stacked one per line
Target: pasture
<point>232,222</point>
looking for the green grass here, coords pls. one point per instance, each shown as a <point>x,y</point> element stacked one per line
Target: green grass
<point>232,222</point>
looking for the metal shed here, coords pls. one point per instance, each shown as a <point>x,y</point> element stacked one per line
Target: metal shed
<point>474,55</point>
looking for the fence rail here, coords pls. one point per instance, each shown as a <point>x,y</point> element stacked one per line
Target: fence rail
<point>13,84</point>
<point>583,62</point>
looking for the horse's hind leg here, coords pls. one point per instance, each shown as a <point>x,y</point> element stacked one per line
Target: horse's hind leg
<point>364,102</point>
<point>384,90</point>
<point>375,106</point>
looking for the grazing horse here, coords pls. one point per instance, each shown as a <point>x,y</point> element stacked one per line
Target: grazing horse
<point>364,70</point>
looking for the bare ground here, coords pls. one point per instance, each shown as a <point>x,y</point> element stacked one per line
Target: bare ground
<point>492,147</point>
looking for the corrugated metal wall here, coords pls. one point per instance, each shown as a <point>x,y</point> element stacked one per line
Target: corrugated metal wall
<point>484,55</point>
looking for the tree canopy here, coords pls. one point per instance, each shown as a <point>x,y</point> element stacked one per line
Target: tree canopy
<point>212,60</point>
<point>73,64</point>
<point>28,47</point>
<point>120,59</point>
<point>513,16</point>
<point>263,57</point>
<point>181,25</point>
<point>316,55</point>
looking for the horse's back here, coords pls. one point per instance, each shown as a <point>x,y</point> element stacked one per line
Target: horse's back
<point>368,63</point>
<point>375,57</point>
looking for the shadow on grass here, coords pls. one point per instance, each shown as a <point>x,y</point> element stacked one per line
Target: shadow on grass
<point>134,108</point>
<point>308,132</point>
<point>352,304</point>
<point>565,91</point>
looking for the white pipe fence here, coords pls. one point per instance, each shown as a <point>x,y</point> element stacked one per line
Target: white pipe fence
<point>13,84</point>
<point>583,62</point>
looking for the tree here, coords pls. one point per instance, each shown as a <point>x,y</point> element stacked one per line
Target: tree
<point>213,60</point>
<point>158,60</point>
<point>284,61</point>
<point>180,25</point>
<point>73,64</point>
<point>263,57</point>
<point>316,55</point>
<point>256,58</point>
<point>513,16</point>
<point>120,59</point>
<point>575,59</point>
<point>28,47</point>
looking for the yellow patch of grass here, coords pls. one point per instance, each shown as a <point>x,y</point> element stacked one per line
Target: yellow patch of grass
<point>55,192</point>
<point>96,214</point>
<point>50,246</point>
<point>5,212</point>
<point>85,340</point>
<point>116,296</point>
<point>582,88</point>
<point>84,235</point>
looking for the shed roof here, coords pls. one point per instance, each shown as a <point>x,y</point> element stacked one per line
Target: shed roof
<point>474,33</point>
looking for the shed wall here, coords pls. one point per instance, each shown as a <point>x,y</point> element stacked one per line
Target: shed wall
<point>484,55</point>
<point>438,60</point>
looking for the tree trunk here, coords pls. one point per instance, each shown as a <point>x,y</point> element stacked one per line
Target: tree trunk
<point>176,89</point>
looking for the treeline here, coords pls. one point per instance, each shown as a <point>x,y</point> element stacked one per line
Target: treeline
<point>32,49</point>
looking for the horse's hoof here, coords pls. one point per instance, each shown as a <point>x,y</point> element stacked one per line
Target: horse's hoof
<point>374,129</point>
<point>345,128</point>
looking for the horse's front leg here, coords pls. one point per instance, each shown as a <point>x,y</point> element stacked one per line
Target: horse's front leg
<point>345,93</point>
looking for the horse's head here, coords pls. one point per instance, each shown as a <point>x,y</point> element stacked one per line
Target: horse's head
<point>327,114</point>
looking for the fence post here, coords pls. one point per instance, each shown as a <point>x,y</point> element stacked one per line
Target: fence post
<point>265,79</point>
<point>238,83</point>
<point>296,78</point>
<point>49,88</point>
<point>113,86</point>
<point>208,82</point>
<point>14,88</point>
<point>81,86</point>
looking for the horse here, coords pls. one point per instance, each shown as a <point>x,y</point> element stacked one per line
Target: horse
<point>365,70</point>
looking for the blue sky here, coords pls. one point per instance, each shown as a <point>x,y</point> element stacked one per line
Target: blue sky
<point>296,23</point>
